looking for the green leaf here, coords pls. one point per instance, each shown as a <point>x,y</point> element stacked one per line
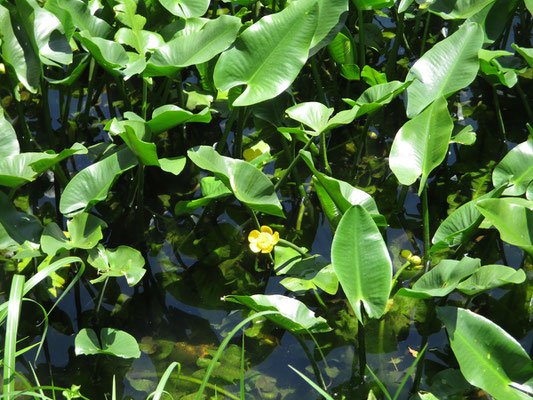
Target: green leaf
<point>448,66</point>
<point>45,32</point>
<point>442,279</point>
<point>421,144</point>
<point>114,342</point>
<point>373,4</point>
<point>18,53</point>
<point>341,49</point>
<point>91,184</point>
<point>515,169</point>
<point>74,70</point>
<point>460,225</point>
<point>142,41</point>
<point>313,114</point>
<point>336,196</point>
<point>16,227</point>
<point>168,116</point>
<point>293,315</point>
<point>186,8</point>
<point>84,232</point>
<point>513,217</point>
<point>268,55</point>
<point>249,185</point>
<point>50,159</point>
<point>489,357</point>
<point>17,169</point>
<point>211,187</point>
<point>458,9</point>
<point>122,261</point>
<point>126,12</point>
<point>373,77</point>
<point>361,261</point>
<point>82,18</point>
<point>490,277</point>
<point>9,145</point>
<point>527,53</point>
<point>109,54</point>
<point>324,279</point>
<point>196,46</point>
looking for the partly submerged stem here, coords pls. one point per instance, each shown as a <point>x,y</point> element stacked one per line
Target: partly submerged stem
<point>499,113</point>
<point>145,99</point>
<point>425,219</point>
<point>361,347</point>
<point>313,362</point>
<point>291,166</point>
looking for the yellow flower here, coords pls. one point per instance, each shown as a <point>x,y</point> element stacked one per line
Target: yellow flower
<point>251,154</point>
<point>263,241</point>
<point>412,258</point>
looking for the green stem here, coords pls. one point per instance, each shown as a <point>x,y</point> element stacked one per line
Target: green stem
<point>92,74</point>
<point>524,101</point>
<point>425,219</point>
<point>324,153</point>
<point>123,93</point>
<point>401,199</point>
<point>393,55</point>
<point>140,200</point>
<point>26,133</point>
<point>397,274</point>
<point>221,145</point>
<point>318,81</point>
<point>499,113</point>
<point>214,10</point>
<point>312,360</point>
<point>361,23</point>
<point>291,166</point>
<point>425,34</point>
<point>46,114</point>
<point>361,347</point>
<point>101,296</point>
<point>145,98</point>
<point>286,243</point>
<point>209,385</point>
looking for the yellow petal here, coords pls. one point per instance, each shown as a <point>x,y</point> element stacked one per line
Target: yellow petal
<point>254,248</point>
<point>266,229</point>
<point>275,238</point>
<point>253,235</point>
<point>268,249</point>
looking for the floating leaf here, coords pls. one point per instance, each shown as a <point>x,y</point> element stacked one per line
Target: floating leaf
<point>488,356</point>
<point>448,66</point>
<point>247,183</point>
<point>361,261</point>
<point>114,342</point>
<point>293,315</point>
<point>121,261</point>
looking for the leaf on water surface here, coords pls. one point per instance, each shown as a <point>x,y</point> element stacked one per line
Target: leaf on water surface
<point>294,315</point>
<point>421,144</point>
<point>488,356</point>
<point>362,263</point>
<point>112,342</point>
<point>249,185</point>
<point>448,66</point>
<point>121,261</point>
<point>442,279</point>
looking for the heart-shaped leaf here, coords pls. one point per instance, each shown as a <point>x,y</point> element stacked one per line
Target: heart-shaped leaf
<point>112,342</point>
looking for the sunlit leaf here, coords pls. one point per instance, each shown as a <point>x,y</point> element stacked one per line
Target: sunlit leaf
<point>121,261</point>
<point>9,144</point>
<point>448,66</point>
<point>186,8</point>
<point>490,277</point>
<point>458,9</point>
<point>248,184</point>
<point>515,169</point>
<point>16,227</point>
<point>294,315</point>
<point>169,116</point>
<point>114,342</point>
<point>421,144</point>
<point>488,356</point>
<point>361,261</point>
<point>109,54</point>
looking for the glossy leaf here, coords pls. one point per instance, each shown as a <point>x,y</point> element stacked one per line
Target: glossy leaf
<point>212,188</point>
<point>169,116</point>
<point>462,223</point>
<point>442,279</point>
<point>293,315</point>
<point>121,261</point>
<point>50,159</point>
<point>84,232</point>
<point>186,8</point>
<point>337,196</point>
<point>247,183</point>
<point>9,144</point>
<point>448,66</point>
<point>373,4</point>
<point>515,169</point>
<point>490,277</point>
<point>114,342</point>
<point>325,279</point>
<point>361,261</point>
<point>526,53</point>
<point>91,184</point>
<point>19,55</point>
<point>488,356</point>
<point>109,54</point>
<point>513,217</point>
<point>421,144</point>
<point>458,9</point>
<point>81,17</point>
<point>313,114</point>
<point>16,227</point>
<point>126,12</point>
<point>195,47</point>
<point>46,33</point>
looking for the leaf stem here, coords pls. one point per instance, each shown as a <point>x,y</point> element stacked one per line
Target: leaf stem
<point>145,98</point>
<point>361,346</point>
<point>425,219</point>
<point>299,250</point>
<point>524,101</point>
<point>221,145</point>
<point>425,34</point>
<point>291,166</point>
<point>361,23</point>
<point>499,113</point>
<point>312,360</point>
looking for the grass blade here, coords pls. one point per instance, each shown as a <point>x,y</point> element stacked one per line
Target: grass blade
<point>162,383</point>
<point>313,384</point>
<point>10,346</point>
